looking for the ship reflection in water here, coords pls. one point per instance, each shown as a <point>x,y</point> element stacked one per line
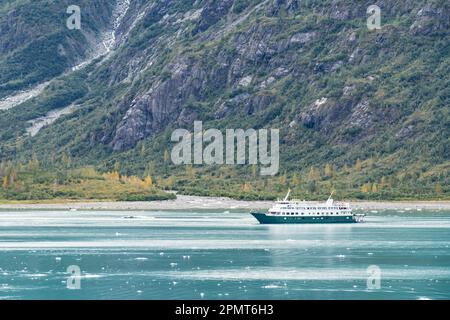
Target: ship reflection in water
<point>221,255</point>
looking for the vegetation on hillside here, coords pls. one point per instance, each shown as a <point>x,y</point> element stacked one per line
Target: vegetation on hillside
<point>31,182</point>
<point>365,113</point>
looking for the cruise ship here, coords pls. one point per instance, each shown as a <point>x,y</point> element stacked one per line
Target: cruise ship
<point>297,212</point>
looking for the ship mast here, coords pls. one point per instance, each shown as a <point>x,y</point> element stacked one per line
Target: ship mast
<point>330,200</point>
<point>287,196</point>
<point>332,192</point>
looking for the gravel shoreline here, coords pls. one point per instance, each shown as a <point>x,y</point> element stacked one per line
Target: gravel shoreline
<point>194,202</point>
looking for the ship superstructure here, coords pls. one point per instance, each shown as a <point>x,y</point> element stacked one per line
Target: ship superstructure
<point>296,211</point>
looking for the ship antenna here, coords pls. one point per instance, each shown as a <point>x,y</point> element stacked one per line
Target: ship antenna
<point>330,200</point>
<point>332,192</point>
<point>287,196</point>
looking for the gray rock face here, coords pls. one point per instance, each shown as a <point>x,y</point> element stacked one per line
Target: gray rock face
<point>303,38</point>
<point>214,11</point>
<point>289,6</point>
<point>14,32</point>
<point>321,114</point>
<point>362,116</point>
<point>431,19</point>
<point>161,105</point>
<point>242,77</point>
<point>405,133</point>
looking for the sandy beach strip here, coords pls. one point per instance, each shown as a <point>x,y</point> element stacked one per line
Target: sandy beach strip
<point>194,202</point>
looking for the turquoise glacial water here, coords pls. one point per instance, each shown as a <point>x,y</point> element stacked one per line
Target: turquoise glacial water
<point>221,255</point>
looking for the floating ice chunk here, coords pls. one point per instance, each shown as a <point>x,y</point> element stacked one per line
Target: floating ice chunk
<point>272,286</point>
<point>58,258</point>
<point>173,264</point>
<point>91,276</point>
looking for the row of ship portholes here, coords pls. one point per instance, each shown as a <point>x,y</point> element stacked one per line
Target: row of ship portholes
<point>318,218</point>
<point>296,214</point>
<point>302,208</point>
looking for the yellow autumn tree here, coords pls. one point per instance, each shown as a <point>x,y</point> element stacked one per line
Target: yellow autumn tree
<point>65,159</point>
<point>247,187</point>
<point>160,181</point>
<point>358,165</point>
<point>148,181</point>
<point>254,171</point>
<point>12,177</point>
<point>345,168</point>
<point>328,171</point>
<point>438,188</point>
<point>374,188</point>
<point>33,164</point>
<point>166,156</point>
<point>5,183</point>
<point>283,179</point>
<point>365,188</point>
<point>295,179</point>
<point>190,171</point>
<point>170,182</point>
<point>142,151</point>
<point>314,174</point>
<point>19,143</point>
<point>112,175</point>
<point>382,182</point>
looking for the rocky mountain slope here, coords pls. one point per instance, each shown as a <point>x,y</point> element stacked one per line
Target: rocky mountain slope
<point>139,69</point>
